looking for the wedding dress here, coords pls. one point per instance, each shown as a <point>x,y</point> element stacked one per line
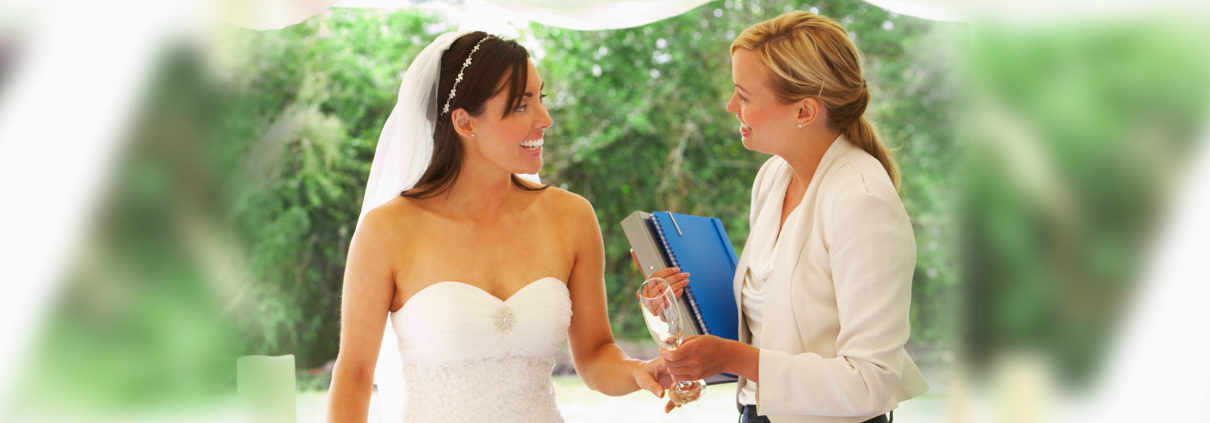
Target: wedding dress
<point>469,356</point>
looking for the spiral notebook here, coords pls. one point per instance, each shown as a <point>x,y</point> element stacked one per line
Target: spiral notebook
<point>700,246</point>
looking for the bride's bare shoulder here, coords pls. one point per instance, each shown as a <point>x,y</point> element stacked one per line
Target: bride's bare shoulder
<point>568,206</point>
<point>391,220</point>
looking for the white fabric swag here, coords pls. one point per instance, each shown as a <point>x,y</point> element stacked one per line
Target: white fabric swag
<point>579,15</point>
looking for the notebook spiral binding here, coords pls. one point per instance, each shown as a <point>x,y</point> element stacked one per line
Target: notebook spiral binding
<point>697,313</point>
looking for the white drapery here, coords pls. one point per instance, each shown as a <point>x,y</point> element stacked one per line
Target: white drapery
<point>581,15</point>
<point>614,14</point>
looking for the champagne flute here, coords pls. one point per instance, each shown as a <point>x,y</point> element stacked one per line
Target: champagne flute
<point>667,327</point>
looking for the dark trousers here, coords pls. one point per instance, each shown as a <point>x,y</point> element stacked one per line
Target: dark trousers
<point>749,416</point>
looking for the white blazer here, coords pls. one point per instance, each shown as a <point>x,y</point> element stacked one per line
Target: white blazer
<point>836,302</point>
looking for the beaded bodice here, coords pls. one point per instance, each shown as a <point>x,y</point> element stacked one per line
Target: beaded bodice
<point>469,356</point>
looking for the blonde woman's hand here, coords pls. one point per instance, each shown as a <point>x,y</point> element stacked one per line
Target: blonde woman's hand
<point>677,279</point>
<point>698,357</point>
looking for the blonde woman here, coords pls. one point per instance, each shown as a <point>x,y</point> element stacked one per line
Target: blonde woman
<point>824,282</point>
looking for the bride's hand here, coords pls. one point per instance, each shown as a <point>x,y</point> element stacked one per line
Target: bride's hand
<point>651,376</point>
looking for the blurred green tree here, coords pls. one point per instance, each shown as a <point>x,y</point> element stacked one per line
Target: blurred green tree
<point>1081,131</point>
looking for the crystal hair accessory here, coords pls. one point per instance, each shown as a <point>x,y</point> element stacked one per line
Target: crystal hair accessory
<point>454,90</point>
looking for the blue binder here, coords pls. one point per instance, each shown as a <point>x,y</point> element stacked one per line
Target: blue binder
<point>700,246</point>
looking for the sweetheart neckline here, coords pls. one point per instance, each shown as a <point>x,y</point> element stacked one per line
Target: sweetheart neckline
<point>484,291</point>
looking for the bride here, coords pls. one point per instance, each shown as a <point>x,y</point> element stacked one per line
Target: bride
<point>481,272</point>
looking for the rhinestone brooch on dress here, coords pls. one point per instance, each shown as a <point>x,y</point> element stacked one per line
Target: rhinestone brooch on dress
<point>504,319</point>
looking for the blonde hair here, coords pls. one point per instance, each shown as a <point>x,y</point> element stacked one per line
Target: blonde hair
<point>812,56</point>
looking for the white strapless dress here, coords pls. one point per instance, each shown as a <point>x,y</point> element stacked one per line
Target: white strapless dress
<point>470,357</point>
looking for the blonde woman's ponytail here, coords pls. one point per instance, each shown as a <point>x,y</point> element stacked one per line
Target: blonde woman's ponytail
<point>862,134</point>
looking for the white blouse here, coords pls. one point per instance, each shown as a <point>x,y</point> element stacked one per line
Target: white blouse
<point>754,306</point>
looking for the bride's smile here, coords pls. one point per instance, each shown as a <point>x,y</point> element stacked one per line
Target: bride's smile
<point>532,145</point>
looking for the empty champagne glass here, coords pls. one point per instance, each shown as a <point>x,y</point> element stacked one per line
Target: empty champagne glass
<point>667,327</point>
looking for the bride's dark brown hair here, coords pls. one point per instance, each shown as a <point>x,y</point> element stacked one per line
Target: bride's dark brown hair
<point>482,79</point>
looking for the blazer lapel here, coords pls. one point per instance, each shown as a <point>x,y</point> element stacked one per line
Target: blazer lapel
<point>779,298</point>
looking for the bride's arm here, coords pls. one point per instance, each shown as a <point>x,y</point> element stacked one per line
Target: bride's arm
<point>599,361</point>
<point>365,301</point>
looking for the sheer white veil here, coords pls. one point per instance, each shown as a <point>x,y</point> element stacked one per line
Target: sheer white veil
<point>404,151</point>
<point>406,144</point>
